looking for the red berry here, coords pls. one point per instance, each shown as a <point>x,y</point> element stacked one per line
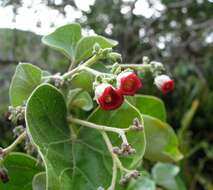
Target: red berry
<point>108,97</point>
<point>128,83</point>
<point>164,83</point>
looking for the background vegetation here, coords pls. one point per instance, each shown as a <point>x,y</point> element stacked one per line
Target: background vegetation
<point>180,35</point>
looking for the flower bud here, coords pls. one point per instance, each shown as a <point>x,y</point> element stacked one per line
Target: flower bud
<point>126,178</point>
<point>96,48</point>
<point>137,125</point>
<point>164,83</point>
<point>128,83</point>
<point>145,60</point>
<point>115,56</point>
<point>108,97</point>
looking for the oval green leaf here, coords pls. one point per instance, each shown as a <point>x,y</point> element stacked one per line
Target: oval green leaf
<point>162,143</point>
<point>64,39</point>
<point>46,123</point>
<point>83,80</point>
<point>21,169</point>
<point>166,175</point>
<point>26,78</point>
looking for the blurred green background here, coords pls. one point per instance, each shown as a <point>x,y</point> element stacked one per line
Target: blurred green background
<point>178,33</point>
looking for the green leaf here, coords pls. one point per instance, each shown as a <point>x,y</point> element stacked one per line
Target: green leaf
<point>83,80</point>
<point>80,99</point>
<point>39,181</point>
<point>21,169</point>
<point>162,143</point>
<point>85,45</point>
<point>142,183</point>
<point>166,175</point>
<point>123,118</point>
<point>151,105</point>
<point>25,80</point>
<point>64,39</point>
<point>46,122</point>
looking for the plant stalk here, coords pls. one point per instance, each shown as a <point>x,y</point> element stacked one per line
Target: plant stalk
<point>11,147</point>
<point>119,131</point>
<point>88,63</point>
<point>139,67</point>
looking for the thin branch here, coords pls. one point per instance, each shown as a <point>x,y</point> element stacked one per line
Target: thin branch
<point>119,131</point>
<point>114,156</point>
<point>114,175</point>
<point>89,62</point>
<point>95,72</point>
<point>15,143</point>
<point>134,66</point>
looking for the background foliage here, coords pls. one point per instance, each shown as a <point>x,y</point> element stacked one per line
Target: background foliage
<point>177,36</point>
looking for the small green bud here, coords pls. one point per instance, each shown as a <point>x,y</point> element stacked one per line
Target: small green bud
<point>106,52</point>
<point>115,57</point>
<point>18,130</point>
<point>137,125</point>
<point>96,48</point>
<point>156,68</point>
<point>115,68</point>
<point>146,60</point>
<point>126,178</point>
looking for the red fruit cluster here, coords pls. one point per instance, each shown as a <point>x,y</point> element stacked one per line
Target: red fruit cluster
<point>110,98</point>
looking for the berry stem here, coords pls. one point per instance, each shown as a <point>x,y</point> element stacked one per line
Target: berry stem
<point>114,175</point>
<point>72,63</point>
<point>77,69</point>
<point>88,63</point>
<point>95,72</point>
<point>119,131</point>
<point>11,147</point>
